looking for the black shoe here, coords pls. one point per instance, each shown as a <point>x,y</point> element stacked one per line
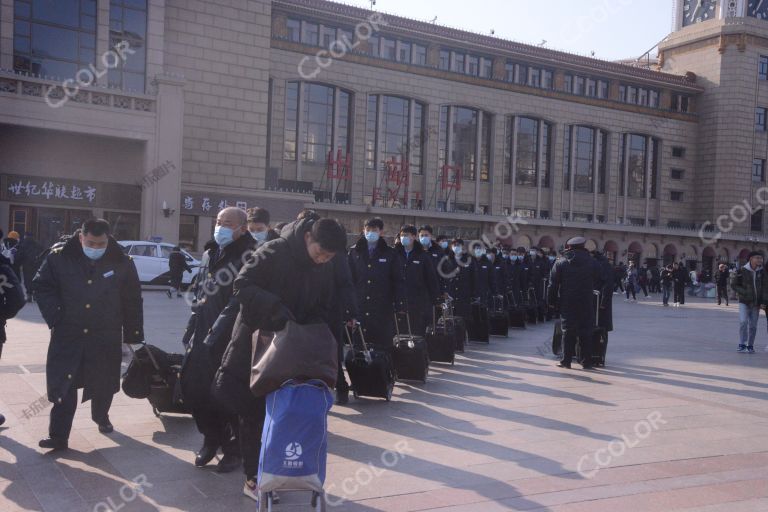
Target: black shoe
<point>342,397</point>
<point>587,367</point>
<point>228,463</point>
<point>106,428</point>
<point>564,365</point>
<point>2,419</point>
<point>178,295</point>
<point>168,292</point>
<point>54,444</point>
<point>205,455</point>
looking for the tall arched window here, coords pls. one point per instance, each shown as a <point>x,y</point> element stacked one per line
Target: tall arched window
<point>462,132</point>
<point>317,121</point>
<point>586,156</point>
<point>638,152</point>
<point>395,129</point>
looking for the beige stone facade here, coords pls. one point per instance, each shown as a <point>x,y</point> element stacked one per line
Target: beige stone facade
<point>227,111</point>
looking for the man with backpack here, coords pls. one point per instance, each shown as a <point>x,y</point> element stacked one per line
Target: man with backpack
<point>748,285</point>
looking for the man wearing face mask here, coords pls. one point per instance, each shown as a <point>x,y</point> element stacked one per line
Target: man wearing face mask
<point>226,257</point>
<point>377,274</point>
<point>514,276</point>
<point>422,287</point>
<point>258,226</point>
<point>462,285</point>
<point>90,296</point>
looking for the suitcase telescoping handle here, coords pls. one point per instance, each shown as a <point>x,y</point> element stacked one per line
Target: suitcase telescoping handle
<point>408,322</point>
<point>149,353</point>
<point>597,309</point>
<point>362,336</point>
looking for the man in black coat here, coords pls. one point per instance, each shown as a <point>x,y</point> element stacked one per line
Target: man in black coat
<point>515,276</point>
<point>461,270</point>
<point>605,319</point>
<point>289,277</point>
<point>377,274</point>
<point>421,281</point>
<point>573,280</point>
<point>682,278</point>
<point>28,257</point>
<point>721,281</point>
<point>177,264</point>
<point>231,250</point>
<point>90,297</point>
<point>11,301</point>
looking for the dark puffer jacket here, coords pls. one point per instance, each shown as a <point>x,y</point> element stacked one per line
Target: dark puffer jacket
<point>91,307</point>
<point>283,282</point>
<point>573,280</point>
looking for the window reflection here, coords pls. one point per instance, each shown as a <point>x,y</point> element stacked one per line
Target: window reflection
<point>459,140</point>
<point>589,142</point>
<point>128,22</point>
<point>390,130</point>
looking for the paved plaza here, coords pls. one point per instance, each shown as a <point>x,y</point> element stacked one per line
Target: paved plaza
<point>676,421</point>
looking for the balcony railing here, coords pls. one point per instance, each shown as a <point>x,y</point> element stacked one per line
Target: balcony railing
<point>28,86</point>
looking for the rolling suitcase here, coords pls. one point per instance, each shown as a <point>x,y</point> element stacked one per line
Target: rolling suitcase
<point>370,370</point>
<point>478,328</point>
<point>531,307</point>
<point>557,338</point>
<point>460,332</point>
<point>516,313</point>
<point>158,374</point>
<point>599,337</point>
<point>294,442</point>
<point>498,319</point>
<point>411,356</point>
<point>441,339</point>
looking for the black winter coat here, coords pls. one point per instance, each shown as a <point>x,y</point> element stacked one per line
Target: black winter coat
<point>437,254</point>
<point>499,278</point>
<point>11,296</point>
<point>721,278</point>
<point>421,281</point>
<point>463,283</point>
<point>208,332</point>
<point>177,263</point>
<point>380,285</point>
<point>283,282</point>
<point>605,320</point>
<point>515,279</point>
<point>344,302</point>
<point>90,307</point>
<point>483,286</point>
<point>573,280</point>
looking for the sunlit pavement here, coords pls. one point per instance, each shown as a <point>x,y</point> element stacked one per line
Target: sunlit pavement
<point>676,421</point>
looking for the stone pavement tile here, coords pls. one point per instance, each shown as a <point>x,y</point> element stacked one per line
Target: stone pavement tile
<point>16,495</point>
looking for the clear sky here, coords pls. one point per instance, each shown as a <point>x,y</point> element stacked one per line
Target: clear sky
<point>613,29</point>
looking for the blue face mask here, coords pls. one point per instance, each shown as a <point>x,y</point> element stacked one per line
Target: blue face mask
<point>443,245</point>
<point>94,254</point>
<point>425,241</point>
<point>406,241</point>
<point>457,249</point>
<point>372,237</point>
<point>223,236</point>
<point>259,236</point>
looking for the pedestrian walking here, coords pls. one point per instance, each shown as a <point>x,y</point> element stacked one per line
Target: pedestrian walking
<point>292,280</point>
<point>177,264</point>
<point>667,281</point>
<point>630,281</point>
<point>748,285</point>
<point>11,301</point>
<point>722,277</point>
<point>681,279</point>
<point>90,296</point>
<point>574,279</point>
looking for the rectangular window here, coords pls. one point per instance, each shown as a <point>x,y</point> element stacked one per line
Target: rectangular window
<point>642,96</point>
<point>678,152</point>
<point>310,33</point>
<point>525,213</point>
<point>459,61</point>
<point>579,85</point>
<point>544,214</point>
<point>388,48</point>
<point>568,83</point>
<point>675,195</point>
<point>677,174</point>
<point>602,89</point>
<point>762,67</point>
<point>756,221</point>
<point>419,55</point>
<point>521,74</point>
<point>374,46</point>
<point>653,99</point>
<point>294,30</point>
<point>758,170</point>
<point>128,22</point>
<point>486,67</point>
<point>509,72</point>
<point>473,65</point>
<point>623,93</point>
<point>327,36</point>
<point>591,88</point>
<point>404,52</point>
<point>291,120</point>
<point>547,79</point>
<point>632,95</point>
<point>445,60</point>
<point>534,77</point>
<point>760,119</point>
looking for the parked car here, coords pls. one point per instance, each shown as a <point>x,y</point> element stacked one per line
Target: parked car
<point>151,260</point>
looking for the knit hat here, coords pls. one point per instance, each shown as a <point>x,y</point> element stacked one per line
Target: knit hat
<point>751,254</point>
<point>14,235</point>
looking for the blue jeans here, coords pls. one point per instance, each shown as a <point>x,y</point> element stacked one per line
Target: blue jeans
<point>748,317</point>
<point>666,290</point>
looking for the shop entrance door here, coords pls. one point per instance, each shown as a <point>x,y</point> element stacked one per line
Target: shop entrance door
<point>22,219</point>
<point>54,222</point>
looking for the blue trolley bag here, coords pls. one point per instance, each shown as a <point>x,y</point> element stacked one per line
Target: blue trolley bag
<point>294,444</point>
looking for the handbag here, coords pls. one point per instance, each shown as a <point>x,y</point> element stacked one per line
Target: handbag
<point>302,352</point>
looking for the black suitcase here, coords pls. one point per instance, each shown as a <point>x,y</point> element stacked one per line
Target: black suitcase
<point>441,339</point>
<point>370,371</point>
<point>531,308</point>
<point>557,338</point>
<point>498,319</point>
<point>162,371</point>
<point>599,337</point>
<point>411,356</point>
<point>460,332</point>
<point>478,328</point>
<point>515,313</point>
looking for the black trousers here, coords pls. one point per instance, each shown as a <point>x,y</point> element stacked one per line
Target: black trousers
<point>722,293</point>
<point>219,429</point>
<point>680,293</point>
<point>342,386</point>
<point>63,413</point>
<point>251,427</point>
<point>582,333</point>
